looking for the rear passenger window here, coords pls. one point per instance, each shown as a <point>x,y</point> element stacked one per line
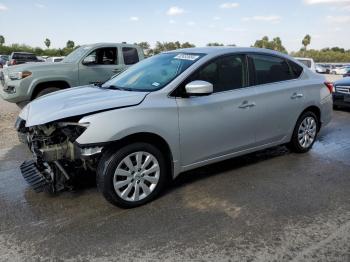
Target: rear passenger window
<point>225,73</point>
<point>269,69</point>
<point>130,55</point>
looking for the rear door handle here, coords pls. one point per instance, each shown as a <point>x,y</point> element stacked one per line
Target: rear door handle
<point>296,95</point>
<point>246,104</point>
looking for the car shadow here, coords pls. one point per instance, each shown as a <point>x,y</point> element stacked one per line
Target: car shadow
<point>227,165</point>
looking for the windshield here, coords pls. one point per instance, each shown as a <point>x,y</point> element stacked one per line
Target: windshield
<point>153,73</point>
<point>76,54</point>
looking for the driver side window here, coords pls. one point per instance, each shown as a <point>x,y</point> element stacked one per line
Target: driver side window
<point>102,56</point>
<point>225,73</point>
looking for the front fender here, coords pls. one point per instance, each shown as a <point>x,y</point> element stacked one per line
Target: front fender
<point>160,119</point>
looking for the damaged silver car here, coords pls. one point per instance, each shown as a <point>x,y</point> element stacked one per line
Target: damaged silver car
<point>168,114</point>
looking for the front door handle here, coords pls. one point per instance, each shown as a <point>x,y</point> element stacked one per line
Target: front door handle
<point>246,104</point>
<point>296,95</point>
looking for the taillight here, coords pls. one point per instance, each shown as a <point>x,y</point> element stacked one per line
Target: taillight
<point>330,86</point>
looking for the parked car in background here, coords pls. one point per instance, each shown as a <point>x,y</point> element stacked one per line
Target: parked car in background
<point>171,113</point>
<point>341,94</point>
<point>3,60</point>
<point>320,69</point>
<point>328,68</point>
<point>17,58</point>
<point>309,62</point>
<point>41,59</point>
<point>55,59</point>
<point>340,70</point>
<point>347,74</point>
<point>89,64</point>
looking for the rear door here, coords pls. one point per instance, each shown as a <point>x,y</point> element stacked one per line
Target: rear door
<point>278,96</point>
<point>99,65</point>
<point>223,122</point>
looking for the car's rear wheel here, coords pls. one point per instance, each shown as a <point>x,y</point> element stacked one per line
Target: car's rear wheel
<point>305,132</point>
<point>131,176</point>
<point>47,91</point>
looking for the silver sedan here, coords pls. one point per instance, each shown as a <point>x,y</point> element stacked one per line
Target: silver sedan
<point>171,113</point>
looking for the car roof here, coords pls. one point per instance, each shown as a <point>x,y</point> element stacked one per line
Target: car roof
<point>108,44</point>
<point>214,50</point>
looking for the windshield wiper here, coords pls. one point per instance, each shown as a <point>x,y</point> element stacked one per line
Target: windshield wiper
<point>116,88</point>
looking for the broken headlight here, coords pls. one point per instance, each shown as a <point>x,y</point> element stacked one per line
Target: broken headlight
<point>72,130</point>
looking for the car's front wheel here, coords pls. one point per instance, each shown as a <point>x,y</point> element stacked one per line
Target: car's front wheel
<point>131,176</point>
<point>305,133</point>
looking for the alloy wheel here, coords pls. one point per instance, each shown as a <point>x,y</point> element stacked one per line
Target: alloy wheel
<point>136,176</point>
<point>307,132</point>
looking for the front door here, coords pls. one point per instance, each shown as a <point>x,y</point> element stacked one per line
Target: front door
<point>99,66</point>
<point>223,122</point>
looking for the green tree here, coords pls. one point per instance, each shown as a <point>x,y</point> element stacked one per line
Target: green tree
<point>306,41</point>
<point>70,44</point>
<point>167,46</point>
<point>47,42</point>
<point>147,51</point>
<point>2,40</point>
<point>187,45</point>
<point>215,44</point>
<point>275,44</point>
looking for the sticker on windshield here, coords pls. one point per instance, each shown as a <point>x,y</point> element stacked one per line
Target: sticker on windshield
<point>187,57</point>
<point>155,84</point>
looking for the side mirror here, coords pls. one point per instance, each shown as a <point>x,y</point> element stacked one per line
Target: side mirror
<point>91,59</point>
<point>199,88</point>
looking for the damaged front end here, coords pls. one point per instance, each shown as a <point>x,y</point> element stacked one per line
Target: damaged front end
<point>58,159</point>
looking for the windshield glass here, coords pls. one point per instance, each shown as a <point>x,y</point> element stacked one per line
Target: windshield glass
<point>76,54</point>
<point>153,73</point>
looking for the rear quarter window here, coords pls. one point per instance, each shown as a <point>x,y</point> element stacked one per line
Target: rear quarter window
<point>296,69</point>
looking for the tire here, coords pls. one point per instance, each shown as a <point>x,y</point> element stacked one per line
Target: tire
<point>122,192</point>
<point>310,123</point>
<point>47,91</point>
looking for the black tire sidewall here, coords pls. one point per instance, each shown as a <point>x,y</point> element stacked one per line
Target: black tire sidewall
<point>295,145</point>
<point>108,164</point>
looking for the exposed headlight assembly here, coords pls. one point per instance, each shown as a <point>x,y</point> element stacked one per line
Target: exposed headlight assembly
<point>19,75</point>
<point>72,130</point>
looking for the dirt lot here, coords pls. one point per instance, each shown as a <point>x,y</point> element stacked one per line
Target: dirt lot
<point>272,205</point>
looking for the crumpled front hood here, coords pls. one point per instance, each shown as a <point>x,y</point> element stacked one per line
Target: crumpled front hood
<point>77,101</point>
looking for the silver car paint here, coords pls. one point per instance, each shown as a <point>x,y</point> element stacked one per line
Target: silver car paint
<point>77,101</point>
<point>203,130</point>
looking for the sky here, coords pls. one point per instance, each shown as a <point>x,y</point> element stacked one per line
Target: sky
<point>239,22</point>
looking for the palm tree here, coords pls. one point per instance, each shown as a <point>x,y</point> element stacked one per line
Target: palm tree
<point>306,41</point>
<point>2,40</point>
<point>70,44</point>
<point>47,42</point>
